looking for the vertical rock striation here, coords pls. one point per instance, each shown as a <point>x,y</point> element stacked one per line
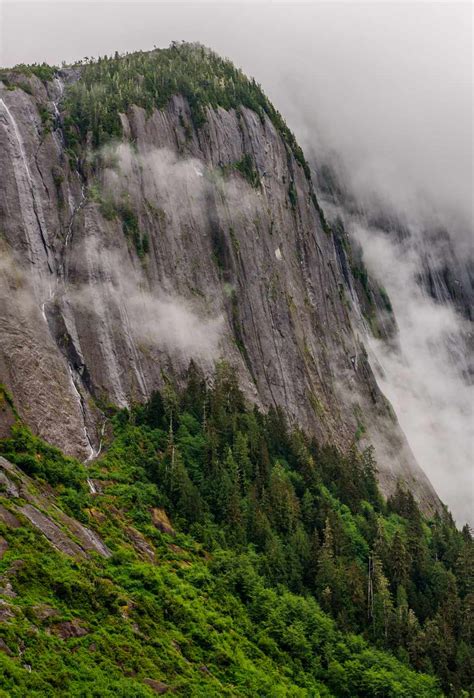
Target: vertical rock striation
<point>176,243</point>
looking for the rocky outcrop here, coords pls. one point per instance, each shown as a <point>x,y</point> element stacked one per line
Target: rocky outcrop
<point>38,507</point>
<point>157,686</point>
<point>69,628</point>
<point>7,518</point>
<point>161,520</point>
<point>90,314</point>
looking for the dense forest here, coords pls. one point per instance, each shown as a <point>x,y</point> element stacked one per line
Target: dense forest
<point>281,570</point>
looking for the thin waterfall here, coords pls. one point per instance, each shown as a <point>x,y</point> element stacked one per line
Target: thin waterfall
<point>39,255</point>
<point>33,218</point>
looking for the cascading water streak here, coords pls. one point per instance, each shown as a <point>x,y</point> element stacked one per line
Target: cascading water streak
<point>48,286</point>
<point>35,224</point>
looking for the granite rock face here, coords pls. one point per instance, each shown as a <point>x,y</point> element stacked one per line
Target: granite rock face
<point>98,304</point>
<point>39,507</point>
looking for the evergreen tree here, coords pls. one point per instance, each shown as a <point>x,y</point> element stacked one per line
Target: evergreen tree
<point>382,609</point>
<point>326,580</point>
<point>398,562</point>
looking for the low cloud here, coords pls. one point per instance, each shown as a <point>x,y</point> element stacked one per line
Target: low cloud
<point>166,180</point>
<point>170,323</point>
<point>425,377</point>
<point>154,318</point>
<point>183,190</point>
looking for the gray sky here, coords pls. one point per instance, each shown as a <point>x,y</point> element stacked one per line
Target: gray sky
<point>388,85</point>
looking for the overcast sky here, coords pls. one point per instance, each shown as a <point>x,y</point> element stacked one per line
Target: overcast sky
<point>388,85</point>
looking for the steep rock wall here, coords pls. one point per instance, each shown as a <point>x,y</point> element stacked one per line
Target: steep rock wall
<point>85,319</point>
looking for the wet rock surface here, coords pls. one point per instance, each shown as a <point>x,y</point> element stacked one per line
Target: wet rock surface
<point>62,531</point>
<point>5,648</point>
<point>157,686</point>
<point>43,612</point>
<point>140,543</point>
<point>6,611</point>
<point>161,520</point>
<point>8,518</point>
<point>258,258</point>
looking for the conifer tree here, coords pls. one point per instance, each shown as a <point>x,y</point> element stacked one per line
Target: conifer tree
<point>398,562</point>
<point>382,603</point>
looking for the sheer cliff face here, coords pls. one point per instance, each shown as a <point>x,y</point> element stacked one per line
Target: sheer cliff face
<point>168,247</point>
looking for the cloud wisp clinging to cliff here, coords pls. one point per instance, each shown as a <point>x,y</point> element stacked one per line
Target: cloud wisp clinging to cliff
<point>156,182</point>
<point>155,319</point>
<point>166,179</point>
<point>424,375</point>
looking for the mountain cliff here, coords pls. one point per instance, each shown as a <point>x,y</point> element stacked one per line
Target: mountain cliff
<point>180,317</point>
<point>155,208</point>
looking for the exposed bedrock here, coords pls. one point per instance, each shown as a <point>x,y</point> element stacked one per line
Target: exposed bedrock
<point>115,277</point>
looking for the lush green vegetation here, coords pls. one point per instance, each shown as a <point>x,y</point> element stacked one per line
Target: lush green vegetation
<point>110,85</point>
<point>292,195</point>
<point>131,228</point>
<point>288,576</point>
<point>325,225</point>
<point>247,169</point>
<point>43,71</point>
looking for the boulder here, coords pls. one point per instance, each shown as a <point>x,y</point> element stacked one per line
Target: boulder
<point>161,521</point>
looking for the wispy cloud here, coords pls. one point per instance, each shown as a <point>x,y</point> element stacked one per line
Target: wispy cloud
<point>424,376</point>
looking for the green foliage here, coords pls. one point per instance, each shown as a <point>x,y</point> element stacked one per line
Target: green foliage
<point>7,400</point>
<point>131,228</point>
<point>25,86</point>
<point>385,300</point>
<point>124,211</point>
<point>46,117</point>
<point>247,169</point>
<point>38,459</point>
<point>360,273</point>
<point>110,85</point>
<point>324,224</point>
<point>203,628</point>
<point>292,194</point>
<point>43,71</point>
<point>294,533</point>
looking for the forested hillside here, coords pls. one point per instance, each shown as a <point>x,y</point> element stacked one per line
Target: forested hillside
<point>245,560</point>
